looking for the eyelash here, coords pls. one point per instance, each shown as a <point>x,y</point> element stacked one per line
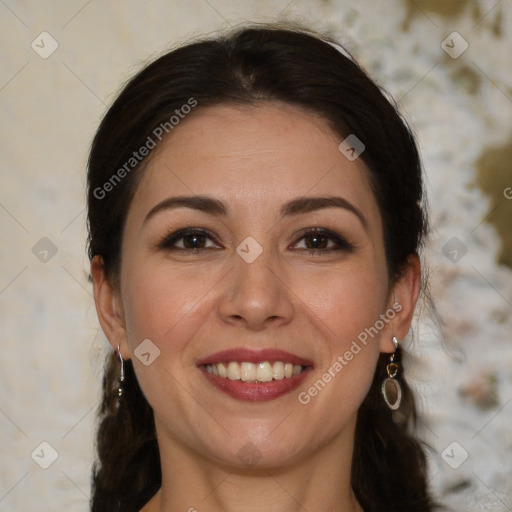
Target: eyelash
<point>343,245</point>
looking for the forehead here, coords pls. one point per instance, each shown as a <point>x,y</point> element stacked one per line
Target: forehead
<point>247,155</point>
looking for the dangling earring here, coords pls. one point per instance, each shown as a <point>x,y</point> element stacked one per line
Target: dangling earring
<point>391,389</point>
<point>121,378</point>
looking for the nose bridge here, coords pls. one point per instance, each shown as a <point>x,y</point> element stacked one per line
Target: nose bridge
<point>253,276</point>
<point>255,293</point>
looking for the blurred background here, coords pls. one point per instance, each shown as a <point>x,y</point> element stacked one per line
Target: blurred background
<point>447,64</point>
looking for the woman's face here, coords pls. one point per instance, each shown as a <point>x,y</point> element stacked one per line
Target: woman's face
<point>249,283</point>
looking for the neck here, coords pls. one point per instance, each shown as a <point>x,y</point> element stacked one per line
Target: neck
<point>193,483</point>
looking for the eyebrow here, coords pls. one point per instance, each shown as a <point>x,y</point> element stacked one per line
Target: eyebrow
<point>217,208</point>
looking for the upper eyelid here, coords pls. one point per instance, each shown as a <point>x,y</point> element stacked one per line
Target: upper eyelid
<point>180,233</point>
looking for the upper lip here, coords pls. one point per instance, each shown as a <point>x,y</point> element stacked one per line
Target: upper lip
<point>254,356</point>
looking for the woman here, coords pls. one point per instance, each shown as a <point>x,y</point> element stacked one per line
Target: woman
<point>256,212</point>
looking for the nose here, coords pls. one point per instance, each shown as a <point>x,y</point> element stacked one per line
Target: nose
<point>256,294</point>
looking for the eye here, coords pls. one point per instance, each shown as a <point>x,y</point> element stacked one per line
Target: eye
<point>317,241</point>
<point>191,239</point>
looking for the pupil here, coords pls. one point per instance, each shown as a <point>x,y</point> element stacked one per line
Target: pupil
<point>315,241</point>
<point>193,241</point>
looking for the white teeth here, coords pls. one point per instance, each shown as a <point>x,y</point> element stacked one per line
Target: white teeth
<point>264,372</point>
<point>247,371</point>
<point>278,370</point>
<point>223,372</point>
<point>233,371</point>
<point>250,372</point>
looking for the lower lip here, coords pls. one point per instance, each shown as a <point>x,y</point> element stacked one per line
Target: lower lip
<point>256,392</point>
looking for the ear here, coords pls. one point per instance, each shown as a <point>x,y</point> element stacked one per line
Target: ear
<point>402,300</point>
<point>109,308</point>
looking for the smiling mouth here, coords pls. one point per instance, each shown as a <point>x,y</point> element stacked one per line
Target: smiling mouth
<point>255,375</point>
<point>264,371</point>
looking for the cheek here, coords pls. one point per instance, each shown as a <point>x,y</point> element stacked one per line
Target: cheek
<point>349,306</point>
<point>348,301</point>
<point>168,306</point>
<point>157,305</point>
<point>161,306</point>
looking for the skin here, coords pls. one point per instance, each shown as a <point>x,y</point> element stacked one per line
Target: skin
<point>193,304</point>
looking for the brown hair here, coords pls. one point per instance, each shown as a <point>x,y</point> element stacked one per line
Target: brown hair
<point>256,63</point>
